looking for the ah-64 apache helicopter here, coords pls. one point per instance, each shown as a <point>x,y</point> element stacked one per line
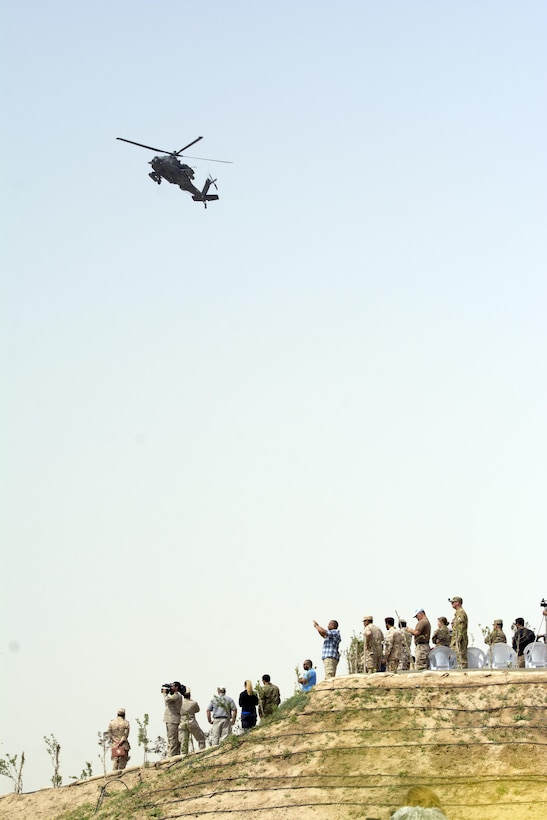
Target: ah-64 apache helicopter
<point>168,167</point>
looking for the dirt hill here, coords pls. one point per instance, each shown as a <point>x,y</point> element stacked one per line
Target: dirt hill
<point>349,750</point>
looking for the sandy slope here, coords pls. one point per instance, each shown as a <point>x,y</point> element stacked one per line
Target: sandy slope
<point>478,738</point>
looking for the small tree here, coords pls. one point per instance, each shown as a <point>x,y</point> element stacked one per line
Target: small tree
<point>104,744</point>
<point>54,751</point>
<point>355,655</point>
<point>10,768</point>
<point>87,771</point>
<point>158,746</point>
<point>143,738</point>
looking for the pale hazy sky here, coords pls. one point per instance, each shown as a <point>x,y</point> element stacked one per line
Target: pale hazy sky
<point>323,396</point>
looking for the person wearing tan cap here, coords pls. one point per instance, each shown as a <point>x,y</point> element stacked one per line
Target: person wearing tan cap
<point>393,645</point>
<point>188,723</point>
<point>373,639</point>
<point>496,635</point>
<point>459,631</point>
<point>118,732</point>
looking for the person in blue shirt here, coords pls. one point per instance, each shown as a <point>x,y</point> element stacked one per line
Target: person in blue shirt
<point>309,678</point>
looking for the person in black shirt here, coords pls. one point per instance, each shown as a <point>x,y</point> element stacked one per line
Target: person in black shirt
<point>248,700</point>
<point>521,638</point>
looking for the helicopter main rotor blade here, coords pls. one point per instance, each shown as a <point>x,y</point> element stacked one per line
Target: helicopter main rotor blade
<point>208,159</point>
<point>159,150</point>
<point>177,153</point>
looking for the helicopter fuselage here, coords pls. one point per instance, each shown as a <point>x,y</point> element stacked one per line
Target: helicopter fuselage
<point>175,172</point>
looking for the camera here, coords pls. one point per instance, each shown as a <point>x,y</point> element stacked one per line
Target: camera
<point>166,687</point>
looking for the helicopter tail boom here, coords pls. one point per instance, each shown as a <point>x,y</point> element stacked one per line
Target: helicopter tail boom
<point>204,195</point>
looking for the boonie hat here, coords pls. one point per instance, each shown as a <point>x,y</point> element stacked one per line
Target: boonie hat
<point>455,600</point>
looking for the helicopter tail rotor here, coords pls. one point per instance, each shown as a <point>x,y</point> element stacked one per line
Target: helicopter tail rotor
<point>204,195</point>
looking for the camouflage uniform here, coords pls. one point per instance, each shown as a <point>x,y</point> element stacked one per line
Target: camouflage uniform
<point>459,637</point>
<point>118,732</point>
<point>441,636</point>
<point>373,638</point>
<point>189,726</point>
<point>269,699</point>
<point>393,648</point>
<point>406,656</point>
<point>496,635</point>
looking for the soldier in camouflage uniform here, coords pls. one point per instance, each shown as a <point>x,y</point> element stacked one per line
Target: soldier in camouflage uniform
<point>118,732</point>
<point>496,635</point>
<point>270,697</point>
<point>459,632</point>
<point>188,723</point>
<point>406,656</point>
<point>393,645</point>
<point>373,639</point>
<point>442,635</point>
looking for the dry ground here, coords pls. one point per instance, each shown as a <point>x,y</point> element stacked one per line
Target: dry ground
<point>350,750</point>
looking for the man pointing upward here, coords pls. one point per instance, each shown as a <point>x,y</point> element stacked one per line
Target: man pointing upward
<point>331,653</point>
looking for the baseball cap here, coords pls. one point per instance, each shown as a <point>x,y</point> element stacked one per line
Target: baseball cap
<point>421,609</point>
<point>455,600</point>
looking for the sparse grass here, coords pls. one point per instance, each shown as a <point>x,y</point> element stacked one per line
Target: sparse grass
<point>83,812</point>
<point>297,703</point>
<point>327,734</point>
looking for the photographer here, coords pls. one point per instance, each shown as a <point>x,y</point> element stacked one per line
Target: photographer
<point>172,695</point>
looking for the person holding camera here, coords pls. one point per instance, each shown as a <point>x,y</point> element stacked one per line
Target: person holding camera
<point>172,695</point>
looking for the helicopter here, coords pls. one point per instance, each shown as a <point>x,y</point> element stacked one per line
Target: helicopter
<point>170,168</point>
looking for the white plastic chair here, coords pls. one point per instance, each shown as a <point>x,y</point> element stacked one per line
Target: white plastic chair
<point>442,657</point>
<point>501,656</point>
<point>476,658</point>
<point>535,656</point>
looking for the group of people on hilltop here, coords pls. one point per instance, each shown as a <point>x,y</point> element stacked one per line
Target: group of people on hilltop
<point>390,650</point>
<point>383,651</point>
<point>181,722</point>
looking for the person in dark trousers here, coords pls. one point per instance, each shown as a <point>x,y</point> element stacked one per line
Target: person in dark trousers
<point>521,638</point>
<point>248,700</point>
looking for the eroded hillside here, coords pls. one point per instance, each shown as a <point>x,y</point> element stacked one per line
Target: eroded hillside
<point>350,750</point>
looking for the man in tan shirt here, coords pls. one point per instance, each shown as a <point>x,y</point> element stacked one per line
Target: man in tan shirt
<point>422,633</point>
<point>118,732</point>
